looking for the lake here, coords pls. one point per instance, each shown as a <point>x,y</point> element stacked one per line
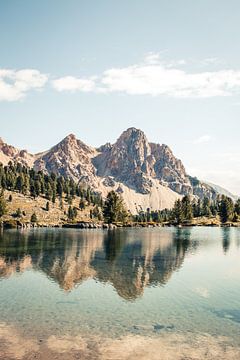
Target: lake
<point>151,293</point>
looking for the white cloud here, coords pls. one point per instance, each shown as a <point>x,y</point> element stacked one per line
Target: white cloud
<point>153,76</point>
<point>152,58</point>
<point>15,84</point>
<point>70,83</point>
<point>156,77</point>
<point>202,139</point>
<point>156,80</point>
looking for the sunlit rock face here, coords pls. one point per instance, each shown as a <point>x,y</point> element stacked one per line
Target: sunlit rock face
<point>71,158</point>
<point>147,175</point>
<point>10,153</point>
<point>128,264</point>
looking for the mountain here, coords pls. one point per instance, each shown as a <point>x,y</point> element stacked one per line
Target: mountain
<point>10,153</point>
<point>223,191</point>
<point>147,175</point>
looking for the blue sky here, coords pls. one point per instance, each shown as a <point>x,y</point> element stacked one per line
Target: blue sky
<point>95,68</point>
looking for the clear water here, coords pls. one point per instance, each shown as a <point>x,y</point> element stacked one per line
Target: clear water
<point>144,283</point>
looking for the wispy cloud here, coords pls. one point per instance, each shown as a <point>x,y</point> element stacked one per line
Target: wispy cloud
<point>202,139</point>
<point>71,83</point>
<point>15,84</point>
<point>156,77</point>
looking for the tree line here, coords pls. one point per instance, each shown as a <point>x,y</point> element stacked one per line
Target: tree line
<point>17,177</point>
<point>185,210</point>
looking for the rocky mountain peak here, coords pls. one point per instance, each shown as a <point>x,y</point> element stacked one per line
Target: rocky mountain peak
<point>126,160</point>
<point>146,174</point>
<point>10,153</point>
<point>70,157</point>
<point>69,138</point>
<point>134,140</point>
<point>71,145</point>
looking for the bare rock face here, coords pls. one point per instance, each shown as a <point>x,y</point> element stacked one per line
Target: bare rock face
<point>170,170</point>
<point>126,160</point>
<point>146,174</point>
<point>10,153</point>
<point>70,158</point>
<point>134,161</point>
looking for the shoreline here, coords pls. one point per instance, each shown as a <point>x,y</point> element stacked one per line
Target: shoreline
<point>15,224</point>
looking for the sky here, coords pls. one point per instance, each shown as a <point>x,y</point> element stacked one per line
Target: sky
<point>95,68</point>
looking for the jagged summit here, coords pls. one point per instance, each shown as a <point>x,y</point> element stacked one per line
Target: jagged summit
<point>145,173</point>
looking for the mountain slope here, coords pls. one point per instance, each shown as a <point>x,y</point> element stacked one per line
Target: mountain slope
<point>10,153</point>
<point>147,175</point>
<point>222,191</point>
<point>71,158</point>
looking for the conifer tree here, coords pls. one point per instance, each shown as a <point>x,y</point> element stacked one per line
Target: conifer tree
<point>187,208</point>
<point>82,204</point>
<point>18,213</point>
<point>3,205</point>
<point>34,218</point>
<point>206,211</point>
<point>178,211</point>
<point>237,207</point>
<point>114,209</point>
<point>72,213</point>
<point>226,209</point>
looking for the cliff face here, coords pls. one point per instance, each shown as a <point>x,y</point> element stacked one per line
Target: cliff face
<point>146,174</point>
<point>137,163</point>
<point>70,158</point>
<point>10,153</point>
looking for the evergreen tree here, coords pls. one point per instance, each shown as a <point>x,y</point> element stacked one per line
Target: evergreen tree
<point>187,208</point>
<point>54,196</point>
<point>226,209</point>
<point>48,191</point>
<point>34,218</point>
<point>32,189</point>
<point>75,211</point>
<point>114,209</point>
<point>235,217</point>
<point>19,183</point>
<point>18,213</point>
<point>178,211</point>
<point>3,205</point>
<point>91,214</point>
<point>61,203</point>
<point>37,186</point>
<point>97,213</point>
<point>237,207</point>
<point>206,211</point>
<point>82,204</point>
<point>72,213</point>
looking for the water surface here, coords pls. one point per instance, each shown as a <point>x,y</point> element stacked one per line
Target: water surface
<point>120,294</point>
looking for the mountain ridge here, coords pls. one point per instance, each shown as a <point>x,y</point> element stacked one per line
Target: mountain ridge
<point>146,174</point>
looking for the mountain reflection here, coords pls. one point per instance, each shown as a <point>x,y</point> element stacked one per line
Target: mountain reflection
<point>130,259</point>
